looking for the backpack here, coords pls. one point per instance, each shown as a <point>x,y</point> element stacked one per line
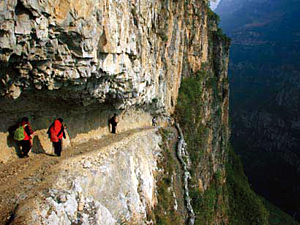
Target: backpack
<point>19,133</point>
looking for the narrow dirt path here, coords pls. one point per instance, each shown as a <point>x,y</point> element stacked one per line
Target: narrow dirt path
<point>23,178</point>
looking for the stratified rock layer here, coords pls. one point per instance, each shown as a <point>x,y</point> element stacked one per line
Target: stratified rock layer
<point>120,51</point>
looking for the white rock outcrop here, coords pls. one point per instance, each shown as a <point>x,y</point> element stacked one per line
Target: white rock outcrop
<point>113,185</point>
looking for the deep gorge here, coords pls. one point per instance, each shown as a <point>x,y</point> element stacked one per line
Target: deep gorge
<point>85,60</point>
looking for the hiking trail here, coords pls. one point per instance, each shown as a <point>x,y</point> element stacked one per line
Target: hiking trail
<point>24,178</point>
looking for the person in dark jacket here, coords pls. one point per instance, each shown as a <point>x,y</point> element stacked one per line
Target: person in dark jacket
<point>56,132</point>
<point>26,143</point>
<point>154,121</point>
<point>113,122</point>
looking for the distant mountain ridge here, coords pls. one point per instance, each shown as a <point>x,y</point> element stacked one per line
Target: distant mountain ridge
<point>265,94</point>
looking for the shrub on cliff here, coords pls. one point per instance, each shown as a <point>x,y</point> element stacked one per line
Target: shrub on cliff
<point>245,207</point>
<point>234,202</point>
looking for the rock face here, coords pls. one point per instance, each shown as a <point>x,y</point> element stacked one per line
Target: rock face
<point>85,60</point>
<point>112,185</point>
<point>127,52</point>
<point>62,55</point>
<point>264,76</point>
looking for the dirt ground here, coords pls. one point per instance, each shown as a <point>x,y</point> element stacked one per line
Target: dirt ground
<point>24,178</point>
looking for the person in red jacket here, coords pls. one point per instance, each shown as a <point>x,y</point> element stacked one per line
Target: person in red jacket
<point>26,143</point>
<point>56,132</point>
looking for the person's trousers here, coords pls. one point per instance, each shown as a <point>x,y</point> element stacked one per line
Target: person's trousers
<point>57,147</point>
<point>113,129</point>
<point>26,146</point>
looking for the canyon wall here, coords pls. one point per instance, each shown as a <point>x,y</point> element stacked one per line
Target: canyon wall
<point>67,58</point>
<point>85,60</point>
<point>264,102</point>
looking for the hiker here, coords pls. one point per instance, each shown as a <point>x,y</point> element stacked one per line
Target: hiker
<point>56,132</point>
<point>23,135</point>
<point>154,122</point>
<point>113,122</point>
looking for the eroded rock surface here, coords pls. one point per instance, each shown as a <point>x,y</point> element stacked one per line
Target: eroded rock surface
<point>126,52</point>
<point>67,59</point>
<point>111,185</point>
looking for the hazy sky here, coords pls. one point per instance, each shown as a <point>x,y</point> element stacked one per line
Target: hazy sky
<point>214,4</point>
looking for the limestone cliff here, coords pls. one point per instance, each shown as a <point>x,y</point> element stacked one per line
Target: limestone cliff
<point>85,60</point>
<point>59,56</point>
<point>111,185</point>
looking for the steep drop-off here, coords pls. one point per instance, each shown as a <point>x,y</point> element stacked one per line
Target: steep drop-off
<point>264,78</point>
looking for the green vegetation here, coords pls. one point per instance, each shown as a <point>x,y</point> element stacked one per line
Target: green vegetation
<point>232,201</point>
<point>210,203</point>
<point>228,196</point>
<point>190,93</point>
<point>216,32</point>
<point>212,16</point>
<point>189,107</point>
<point>189,110</point>
<point>220,34</point>
<point>277,216</point>
<point>164,212</point>
<point>259,75</point>
<point>245,207</point>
